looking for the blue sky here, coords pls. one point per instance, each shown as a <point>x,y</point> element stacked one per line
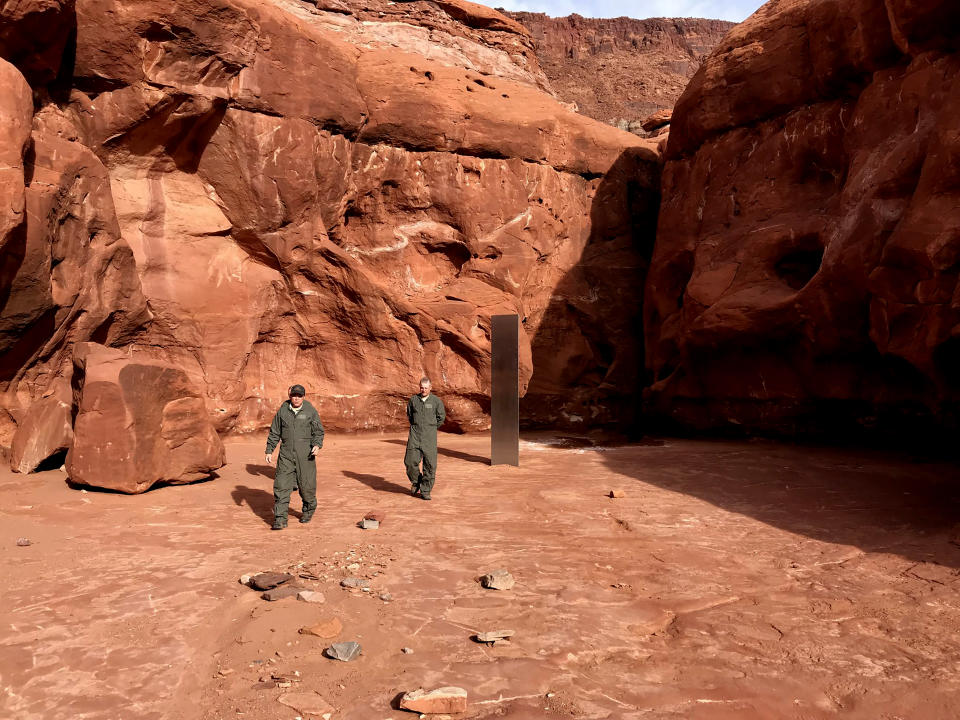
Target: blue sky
<point>735,10</point>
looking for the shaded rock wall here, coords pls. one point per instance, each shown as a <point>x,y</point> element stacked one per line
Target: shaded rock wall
<point>806,265</point>
<point>621,70</point>
<point>332,193</point>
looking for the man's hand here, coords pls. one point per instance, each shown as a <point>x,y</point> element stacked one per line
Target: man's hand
<point>269,458</point>
<point>313,453</point>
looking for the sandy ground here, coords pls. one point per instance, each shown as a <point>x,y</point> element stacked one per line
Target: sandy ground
<point>734,580</point>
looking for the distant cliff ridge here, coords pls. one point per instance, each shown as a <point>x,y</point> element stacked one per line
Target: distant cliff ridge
<point>620,70</point>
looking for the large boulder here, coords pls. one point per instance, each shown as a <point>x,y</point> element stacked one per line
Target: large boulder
<point>138,422</point>
<point>805,275</point>
<point>45,431</point>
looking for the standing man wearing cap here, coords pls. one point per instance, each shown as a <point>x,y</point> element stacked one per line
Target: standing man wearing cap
<point>298,428</point>
<point>425,413</point>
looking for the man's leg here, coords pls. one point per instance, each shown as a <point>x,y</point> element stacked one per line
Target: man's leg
<point>283,483</point>
<point>411,459</point>
<point>429,472</point>
<point>308,490</point>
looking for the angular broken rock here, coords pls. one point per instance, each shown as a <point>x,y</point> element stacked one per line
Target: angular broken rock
<point>617,494</point>
<point>310,596</point>
<point>345,651</point>
<point>352,582</point>
<point>441,700</point>
<point>245,579</point>
<point>280,593</point>
<point>375,515</point>
<point>368,524</point>
<point>269,580</point>
<point>498,580</point>
<point>324,629</point>
<point>493,635</point>
<point>306,703</point>
<point>23,542</point>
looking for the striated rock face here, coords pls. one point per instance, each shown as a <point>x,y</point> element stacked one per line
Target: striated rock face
<point>621,70</point>
<point>333,193</point>
<point>806,266</point>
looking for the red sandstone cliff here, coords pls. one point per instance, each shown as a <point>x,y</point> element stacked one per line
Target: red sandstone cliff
<point>620,70</point>
<point>232,195</point>
<point>806,266</point>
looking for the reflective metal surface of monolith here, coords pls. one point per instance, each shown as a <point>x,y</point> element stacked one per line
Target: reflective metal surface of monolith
<point>504,391</point>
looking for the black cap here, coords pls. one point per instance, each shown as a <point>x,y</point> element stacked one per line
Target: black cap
<point>297,390</point>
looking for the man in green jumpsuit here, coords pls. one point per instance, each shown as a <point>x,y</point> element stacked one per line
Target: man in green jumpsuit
<point>297,424</point>
<point>425,413</point>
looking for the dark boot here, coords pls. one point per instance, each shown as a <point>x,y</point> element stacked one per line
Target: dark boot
<point>306,517</point>
<point>278,524</point>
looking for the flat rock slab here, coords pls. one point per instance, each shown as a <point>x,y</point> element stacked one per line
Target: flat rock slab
<point>324,629</point>
<point>498,580</point>
<point>281,593</point>
<point>306,703</point>
<point>368,524</point>
<point>352,582</point>
<point>442,700</point>
<point>269,580</point>
<point>493,635</point>
<point>311,596</point>
<point>345,651</point>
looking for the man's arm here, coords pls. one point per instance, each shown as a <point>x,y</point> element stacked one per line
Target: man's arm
<point>410,411</point>
<point>441,412</point>
<point>273,437</point>
<point>317,430</point>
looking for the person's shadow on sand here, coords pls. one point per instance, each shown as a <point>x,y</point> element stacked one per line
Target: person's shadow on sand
<point>265,470</point>
<point>377,483</point>
<point>260,501</point>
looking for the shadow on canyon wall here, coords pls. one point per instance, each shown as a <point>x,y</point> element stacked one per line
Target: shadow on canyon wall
<point>588,349</point>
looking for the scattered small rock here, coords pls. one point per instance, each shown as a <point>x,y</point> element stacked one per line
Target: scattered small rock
<point>23,542</point>
<point>306,703</point>
<point>310,596</point>
<point>269,580</point>
<point>353,566</point>
<point>386,597</point>
<point>324,629</point>
<point>493,635</point>
<point>245,579</point>
<point>345,651</point>
<point>407,651</point>
<point>352,582</point>
<point>442,700</point>
<point>617,493</point>
<point>367,524</point>
<point>281,593</point>
<point>225,672</point>
<point>498,580</point>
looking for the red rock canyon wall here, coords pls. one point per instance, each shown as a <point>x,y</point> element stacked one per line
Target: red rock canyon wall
<point>235,195</point>
<point>806,265</point>
<point>621,70</point>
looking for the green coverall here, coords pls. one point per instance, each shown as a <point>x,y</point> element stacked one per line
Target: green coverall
<point>425,416</point>
<point>296,467</point>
